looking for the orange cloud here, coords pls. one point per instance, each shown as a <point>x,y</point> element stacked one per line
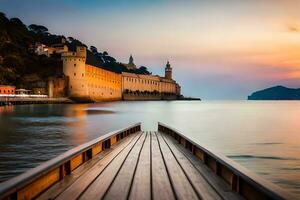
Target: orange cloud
<point>293,29</point>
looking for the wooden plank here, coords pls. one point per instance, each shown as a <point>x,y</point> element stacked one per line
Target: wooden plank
<point>121,185</point>
<point>182,187</point>
<point>141,186</point>
<point>101,184</point>
<point>75,190</point>
<point>161,186</point>
<point>59,187</point>
<point>220,186</point>
<point>202,187</point>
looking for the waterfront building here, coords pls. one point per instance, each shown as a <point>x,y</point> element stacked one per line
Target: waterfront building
<point>95,83</point>
<point>103,84</point>
<point>22,91</point>
<point>138,83</point>
<point>7,89</point>
<point>42,49</point>
<point>87,81</point>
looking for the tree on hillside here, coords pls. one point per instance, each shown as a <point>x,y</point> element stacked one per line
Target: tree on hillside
<point>70,39</point>
<point>17,21</point>
<point>142,70</point>
<point>38,28</point>
<point>94,49</point>
<point>3,20</point>
<point>109,59</point>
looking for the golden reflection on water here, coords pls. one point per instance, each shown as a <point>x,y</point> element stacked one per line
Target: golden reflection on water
<point>77,130</point>
<point>6,109</point>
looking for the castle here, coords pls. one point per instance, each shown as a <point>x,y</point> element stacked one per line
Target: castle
<point>87,82</point>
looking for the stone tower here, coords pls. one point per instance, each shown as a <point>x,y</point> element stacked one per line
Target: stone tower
<point>131,65</point>
<point>168,71</point>
<point>130,60</point>
<point>74,69</point>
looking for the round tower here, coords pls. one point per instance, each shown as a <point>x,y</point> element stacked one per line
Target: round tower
<point>168,71</point>
<point>74,69</point>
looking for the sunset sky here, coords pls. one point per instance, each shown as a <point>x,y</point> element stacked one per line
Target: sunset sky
<point>218,49</point>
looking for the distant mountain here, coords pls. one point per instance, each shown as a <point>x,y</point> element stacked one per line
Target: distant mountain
<point>276,93</point>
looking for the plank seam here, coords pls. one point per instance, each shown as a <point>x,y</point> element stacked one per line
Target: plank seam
<point>105,193</point>
<point>199,195</point>
<point>130,139</point>
<point>131,182</point>
<point>151,178</point>
<point>109,164</point>
<point>167,170</point>
<point>208,181</point>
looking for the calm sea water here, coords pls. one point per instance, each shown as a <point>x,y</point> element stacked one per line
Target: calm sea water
<point>262,136</point>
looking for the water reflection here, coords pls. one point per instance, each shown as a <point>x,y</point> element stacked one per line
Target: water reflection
<point>262,136</point>
<point>77,131</point>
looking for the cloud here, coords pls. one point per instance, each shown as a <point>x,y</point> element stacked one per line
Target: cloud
<point>293,28</point>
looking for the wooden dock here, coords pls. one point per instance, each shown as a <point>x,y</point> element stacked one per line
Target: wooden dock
<point>133,164</point>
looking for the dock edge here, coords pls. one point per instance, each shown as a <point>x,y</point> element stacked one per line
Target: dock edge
<point>35,181</point>
<point>241,180</point>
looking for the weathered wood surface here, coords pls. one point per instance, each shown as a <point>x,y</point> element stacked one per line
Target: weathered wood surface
<point>150,165</point>
<point>200,184</point>
<point>141,185</point>
<point>206,182</point>
<point>87,181</point>
<point>90,166</point>
<point>161,186</point>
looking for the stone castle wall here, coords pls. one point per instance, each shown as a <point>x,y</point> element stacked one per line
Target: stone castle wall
<point>148,83</point>
<point>86,82</point>
<point>57,87</point>
<point>103,84</point>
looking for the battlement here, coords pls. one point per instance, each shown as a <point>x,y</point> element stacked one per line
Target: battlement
<point>80,52</point>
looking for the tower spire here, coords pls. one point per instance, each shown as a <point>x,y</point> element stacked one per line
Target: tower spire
<point>168,71</point>
<point>131,65</point>
<point>131,59</point>
<point>168,64</point>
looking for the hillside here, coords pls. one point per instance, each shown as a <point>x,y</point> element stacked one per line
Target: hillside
<point>276,93</point>
<point>19,65</point>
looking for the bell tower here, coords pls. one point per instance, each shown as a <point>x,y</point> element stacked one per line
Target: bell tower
<point>168,71</point>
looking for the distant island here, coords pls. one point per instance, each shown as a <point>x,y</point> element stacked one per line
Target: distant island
<point>276,93</point>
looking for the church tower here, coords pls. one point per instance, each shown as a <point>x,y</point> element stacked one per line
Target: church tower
<point>131,60</point>
<point>168,71</point>
<point>131,65</point>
